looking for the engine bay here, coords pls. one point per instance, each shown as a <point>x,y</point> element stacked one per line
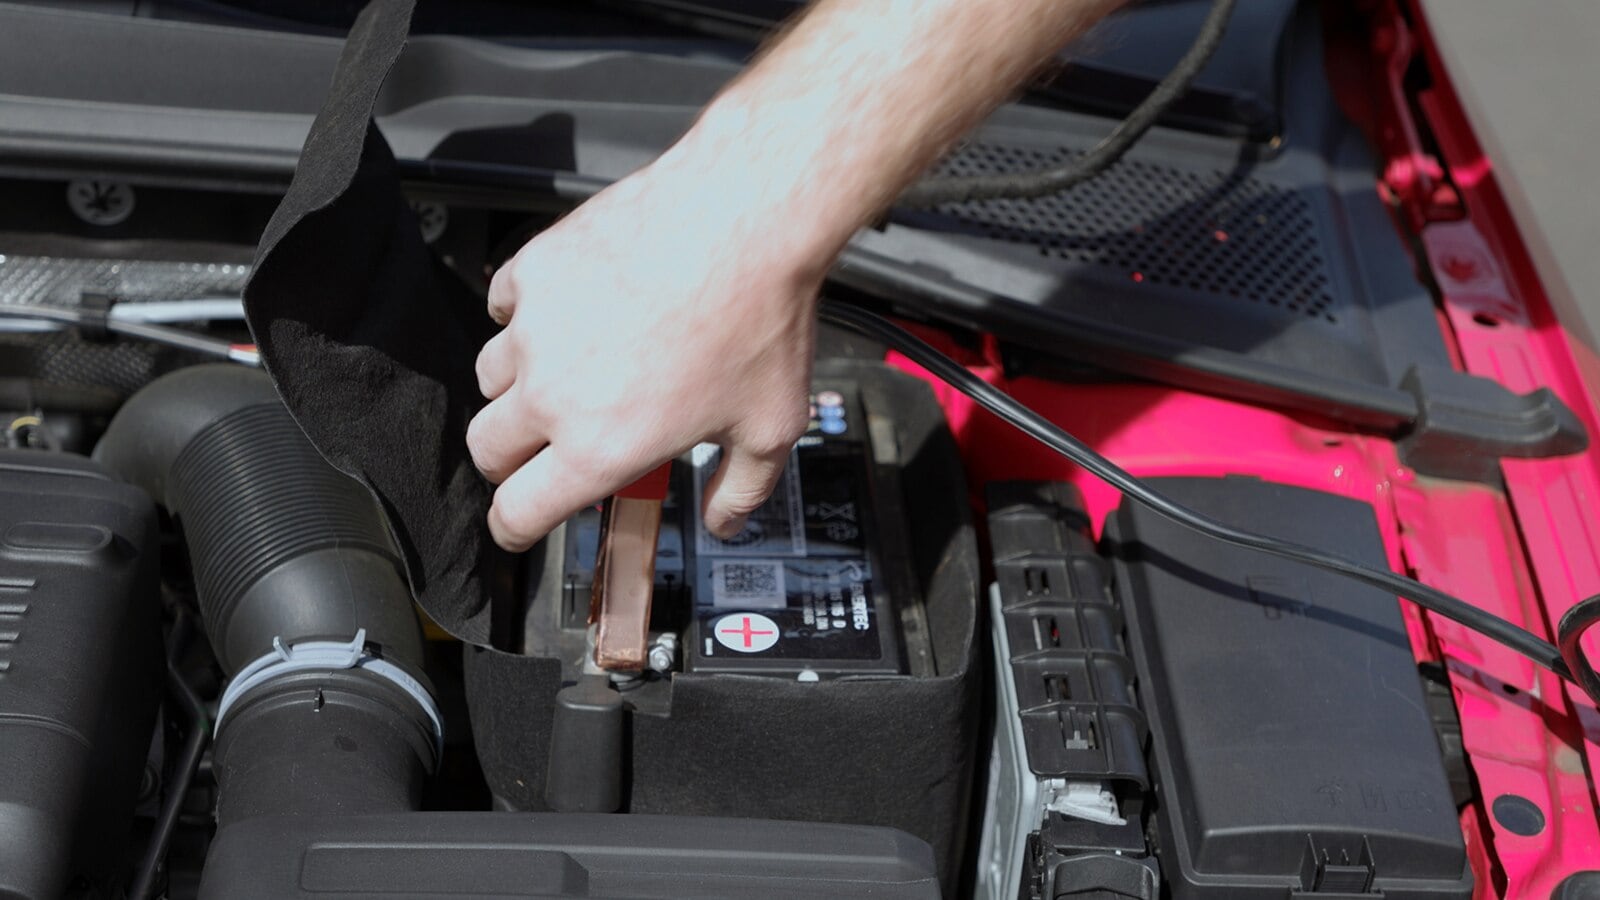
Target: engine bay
<point>943,660</point>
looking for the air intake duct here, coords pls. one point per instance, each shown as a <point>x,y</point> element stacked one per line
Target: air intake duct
<point>302,595</point>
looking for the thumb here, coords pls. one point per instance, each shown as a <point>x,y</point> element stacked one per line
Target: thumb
<point>741,484</point>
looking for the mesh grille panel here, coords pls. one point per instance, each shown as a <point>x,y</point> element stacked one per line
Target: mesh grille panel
<point>1214,231</point>
<point>63,358</point>
<point>60,281</point>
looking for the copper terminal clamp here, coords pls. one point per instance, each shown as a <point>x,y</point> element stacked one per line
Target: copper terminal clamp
<point>625,573</point>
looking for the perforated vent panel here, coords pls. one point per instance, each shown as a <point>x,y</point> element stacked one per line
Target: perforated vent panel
<point>1212,231</point>
<point>62,281</point>
<point>64,358</point>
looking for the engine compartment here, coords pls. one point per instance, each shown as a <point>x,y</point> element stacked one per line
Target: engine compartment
<point>323,740</point>
<point>942,661</point>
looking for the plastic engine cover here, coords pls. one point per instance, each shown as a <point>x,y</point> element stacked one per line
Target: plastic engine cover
<point>1293,753</point>
<point>80,668</point>
<point>514,855</point>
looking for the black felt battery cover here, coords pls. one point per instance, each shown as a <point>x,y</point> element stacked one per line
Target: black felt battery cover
<point>372,342</point>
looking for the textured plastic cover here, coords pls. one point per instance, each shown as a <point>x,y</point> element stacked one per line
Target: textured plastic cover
<point>510,855</point>
<point>80,667</point>
<point>1290,740</point>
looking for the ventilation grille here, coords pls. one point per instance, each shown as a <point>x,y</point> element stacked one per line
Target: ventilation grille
<point>63,358</point>
<point>1215,232</point>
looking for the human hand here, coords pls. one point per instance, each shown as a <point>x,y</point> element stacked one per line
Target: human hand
<point>658,315</point>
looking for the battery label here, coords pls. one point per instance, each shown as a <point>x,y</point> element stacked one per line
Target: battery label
<point>777,528</point>
<point>827,610</point>
<point>798,590</point>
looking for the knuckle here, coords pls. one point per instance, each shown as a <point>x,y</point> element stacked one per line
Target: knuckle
<point>475,439</point>
<point>481,369</point>
<point>504,289</point>
<point>596,459</point>
<point>776,438</point>
<point>518,521</point>
<point>484,445</point>
<point>742,500</point>
<point>505,279</point>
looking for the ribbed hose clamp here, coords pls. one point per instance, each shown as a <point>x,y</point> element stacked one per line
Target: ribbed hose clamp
<point>324,655</point>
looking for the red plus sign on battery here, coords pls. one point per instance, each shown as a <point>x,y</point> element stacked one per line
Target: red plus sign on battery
<point>747,632</point>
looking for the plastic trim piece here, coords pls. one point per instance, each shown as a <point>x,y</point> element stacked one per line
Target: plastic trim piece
<point>1068,776</point>
<point>505,855</point>
<point>1466,424</point>
<point>1012,808</point>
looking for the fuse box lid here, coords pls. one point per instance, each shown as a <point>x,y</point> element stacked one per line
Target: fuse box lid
<point>1285,703</point>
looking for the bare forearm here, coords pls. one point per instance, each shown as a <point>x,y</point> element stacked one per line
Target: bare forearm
<point>860,96</point>
<point>677,306</point>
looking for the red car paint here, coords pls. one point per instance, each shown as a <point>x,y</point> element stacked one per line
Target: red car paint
<point>1527,552</point>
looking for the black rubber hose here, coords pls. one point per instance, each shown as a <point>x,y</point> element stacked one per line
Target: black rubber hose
<point>1574,624</point>
<point>282,544</point>
<point>335,742</point>
<point>285,550</point>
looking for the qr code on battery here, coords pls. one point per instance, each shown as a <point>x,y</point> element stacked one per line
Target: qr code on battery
<point>748,584</point>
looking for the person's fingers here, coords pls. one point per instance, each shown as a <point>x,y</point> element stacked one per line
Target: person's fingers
<point>503,436</point>
<point>503,293</point>
<point>536,498</point>
<point>741,484</point>
<point>497,366</point>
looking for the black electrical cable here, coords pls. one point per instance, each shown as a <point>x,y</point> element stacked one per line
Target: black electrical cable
<point>929,191</point>
<point>144,883</point>
<point>1022,185</point>
<point>1566,661</point>
<point>1569,633</point>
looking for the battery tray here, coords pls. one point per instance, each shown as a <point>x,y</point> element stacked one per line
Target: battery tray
<point>867,693</point>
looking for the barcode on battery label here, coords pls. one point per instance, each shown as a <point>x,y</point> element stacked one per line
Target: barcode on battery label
<point>748,584</point>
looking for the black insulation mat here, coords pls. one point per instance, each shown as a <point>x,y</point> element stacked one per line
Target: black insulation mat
<point>371,341</point>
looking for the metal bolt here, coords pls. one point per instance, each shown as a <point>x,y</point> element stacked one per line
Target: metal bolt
<point>664,653</point>
<point>432,219</point>
<point>102,203</point>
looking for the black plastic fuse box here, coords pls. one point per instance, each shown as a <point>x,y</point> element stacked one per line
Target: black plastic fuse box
<point>1293,754</point>
<point>80,668</point>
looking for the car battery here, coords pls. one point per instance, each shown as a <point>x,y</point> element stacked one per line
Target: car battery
<point>803,590</point>
<point>812,587</point>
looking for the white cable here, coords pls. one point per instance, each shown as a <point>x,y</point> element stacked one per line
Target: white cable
<point>199,309</point>
<point>153,312</point>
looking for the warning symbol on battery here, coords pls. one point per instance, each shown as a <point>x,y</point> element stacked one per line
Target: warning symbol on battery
<point>746,632</point>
